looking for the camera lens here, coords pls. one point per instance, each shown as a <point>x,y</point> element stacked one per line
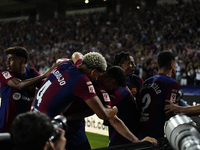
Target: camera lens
<point>182,133</point>
<point>58,122</point>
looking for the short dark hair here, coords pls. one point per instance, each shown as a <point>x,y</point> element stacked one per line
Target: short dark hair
<point>18,51</point>
<point>121,57</point>
<point>165,58</point>
<point>118,74</point>
<point>30,131</point>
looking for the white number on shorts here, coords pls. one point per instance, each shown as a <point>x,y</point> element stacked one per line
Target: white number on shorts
<point>41,91</point>
<point>146,100</point>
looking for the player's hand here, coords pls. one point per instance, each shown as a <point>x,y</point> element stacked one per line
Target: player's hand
<point>150,139</point>
<point>172,108</point>
<point>60,143</point>
<point>115,109</point>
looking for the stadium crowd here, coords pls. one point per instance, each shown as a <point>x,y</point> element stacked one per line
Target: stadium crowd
<point>143,33</point>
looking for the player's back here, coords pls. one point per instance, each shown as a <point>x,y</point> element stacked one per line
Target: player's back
<point>153,94</point>
<point>60,89</point>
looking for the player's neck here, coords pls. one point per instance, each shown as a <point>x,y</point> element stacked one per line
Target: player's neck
<point>21,72</point>
<point>166,72</point>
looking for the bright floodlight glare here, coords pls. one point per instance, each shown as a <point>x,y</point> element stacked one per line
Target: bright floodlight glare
<point>138,7</point>
<point>86,1</point>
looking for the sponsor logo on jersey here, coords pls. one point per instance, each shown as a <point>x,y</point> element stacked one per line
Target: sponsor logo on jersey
<point>91,89</point>
<point>16,96</point>
<point>173,97</point>
<point>89,83</point>
<point>6,74</point>
<point>106,97</point>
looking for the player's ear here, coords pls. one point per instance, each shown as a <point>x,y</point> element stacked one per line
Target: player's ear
<point>112,81</point>
<point>93,71</point>
<point>23,60</point>
<point>119,64</point>
<point>172,65</point>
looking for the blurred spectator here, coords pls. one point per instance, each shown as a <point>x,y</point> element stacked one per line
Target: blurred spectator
<point>198,76</point>
<point>143,33</point>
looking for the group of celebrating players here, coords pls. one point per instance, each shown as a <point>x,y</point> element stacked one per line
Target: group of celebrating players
<point>133,109</point>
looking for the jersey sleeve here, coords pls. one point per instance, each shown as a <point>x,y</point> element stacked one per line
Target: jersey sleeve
<point>171,92</point>
<point>5,76</point>
<point>103,96</point>
<point>78,62</point>
<point>84,88</point>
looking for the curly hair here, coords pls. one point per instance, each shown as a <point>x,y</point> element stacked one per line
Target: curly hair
<point>18,51</point>
<point>94,60</point>
<point>121,57</point>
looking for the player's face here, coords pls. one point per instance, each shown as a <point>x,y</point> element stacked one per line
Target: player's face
<point>129,66</point>
<point>111,85</point>
<point>14,63</point>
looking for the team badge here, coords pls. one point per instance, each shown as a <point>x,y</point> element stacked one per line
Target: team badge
<point>173,97</point>
<point>91,89</point>
<point>16,96</point>
<point>134,91</point>
<point>6,74</point>
<point>106,97</point>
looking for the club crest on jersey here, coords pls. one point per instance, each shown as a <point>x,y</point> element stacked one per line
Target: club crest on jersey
<point>91,89</point>
<point>106,97</point>
<point>89,83</point>
<point>173,97</point>
<point>6,74</point>
<point>16,96</point>
<point>134,91</point>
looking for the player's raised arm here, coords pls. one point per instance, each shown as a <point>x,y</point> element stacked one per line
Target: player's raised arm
<point>23,84</point>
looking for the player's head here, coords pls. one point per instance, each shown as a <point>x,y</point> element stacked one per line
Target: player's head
<point>16,58</point>
<point>18,51</point>
<point>113,78</point>
<point>31,131</point>
<point>166,60</point>
<point>96,64</point>
<point>126,62</point>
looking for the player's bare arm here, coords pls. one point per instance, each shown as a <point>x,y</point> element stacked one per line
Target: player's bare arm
<point>103,113</point>
<point>190,110</point>
<point>76,56</point>
<point>121,128</point>
<point>23,84</point>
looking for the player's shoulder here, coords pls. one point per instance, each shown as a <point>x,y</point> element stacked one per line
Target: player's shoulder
<point>165,79</point>
<point>28,69</point>
<point>135,77</point>
<point>6,73</point>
